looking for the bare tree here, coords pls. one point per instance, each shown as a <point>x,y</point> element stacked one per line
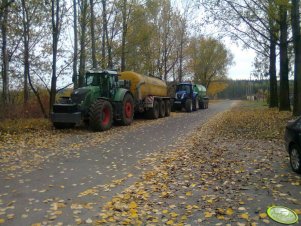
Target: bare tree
<point>74,78</point>
<point>124,33</point>
<point>5,58</point>
<point>92,27</point>
<point>26,20</point>
<point>83,26</point>
<point>284,103</point>
<point>295,16</point>
<point>55,21</point>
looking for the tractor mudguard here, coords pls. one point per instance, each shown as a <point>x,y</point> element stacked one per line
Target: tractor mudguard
<point>120,94</point>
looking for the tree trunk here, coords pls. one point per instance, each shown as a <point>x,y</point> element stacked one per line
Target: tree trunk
<point>5,62</point>
<point>74,78</point>
<point>103,40</point>
<point>272,71</point>
<point>272,63</point>
<point>284,103</point>
<point>82,60</point>
<point>181,64</point>
<point>92,24</point>
<point>55,10</point>
<point>124,32</point>
<point>26,50</point>
<point>297,50</point>
<point>109,46</point>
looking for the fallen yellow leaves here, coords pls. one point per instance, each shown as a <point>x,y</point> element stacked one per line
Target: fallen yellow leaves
<point>244,216</point>
<point>36,224</point>
<point>229,211</point>
<point>91,191</point>
<point>133,205</point>
<point>263,215</point>
<point>208,214</point>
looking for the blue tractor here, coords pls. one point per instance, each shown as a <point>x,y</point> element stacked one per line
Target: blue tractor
<point>186,97</point>
<point>190,96</point>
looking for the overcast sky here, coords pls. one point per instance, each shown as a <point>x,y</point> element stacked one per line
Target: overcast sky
<point>243,59</point>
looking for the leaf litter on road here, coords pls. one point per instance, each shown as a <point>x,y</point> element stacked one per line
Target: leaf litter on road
<point>229,171</point>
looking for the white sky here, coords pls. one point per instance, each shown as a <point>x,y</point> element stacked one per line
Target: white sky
<point>243,59</point>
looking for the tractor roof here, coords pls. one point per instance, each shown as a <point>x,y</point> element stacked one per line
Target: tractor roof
<point>185,83</point>
<point>97,70</point>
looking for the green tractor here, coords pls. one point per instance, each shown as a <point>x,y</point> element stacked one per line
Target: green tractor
<point>102,100</point>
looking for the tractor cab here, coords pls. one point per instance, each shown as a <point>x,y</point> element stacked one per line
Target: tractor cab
<point>184,90</point>
<point>107,81</point>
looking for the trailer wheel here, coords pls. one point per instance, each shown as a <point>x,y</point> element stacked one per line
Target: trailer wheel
<point>196,104</point>
<point>202,105</point>
<point>153,113</point>
<point>188,105</point>
<point>162,109</point>
<point>127,110</point>
<point>101,115</point>
<point>167,108</point>
<point>62,125</point>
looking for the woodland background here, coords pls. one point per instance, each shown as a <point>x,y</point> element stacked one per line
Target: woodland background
<point>46,47</point>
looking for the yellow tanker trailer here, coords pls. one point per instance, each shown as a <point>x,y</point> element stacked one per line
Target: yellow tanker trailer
<point>150,94</point>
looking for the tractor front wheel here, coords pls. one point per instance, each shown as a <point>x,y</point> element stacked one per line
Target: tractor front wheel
<point>127,110</point>
<point>100,115</point>
<point>188,105</point>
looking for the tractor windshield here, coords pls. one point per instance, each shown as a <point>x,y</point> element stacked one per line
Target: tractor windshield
<point>183,87</point>
<point>96,79</point>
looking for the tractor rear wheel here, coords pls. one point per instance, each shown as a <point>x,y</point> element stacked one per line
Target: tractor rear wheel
<point>167,108</point>
<point>127,110</point>
<point>188,105</point>
<point>100,115</point>
<point>153,113</point>
<point>162,109</point>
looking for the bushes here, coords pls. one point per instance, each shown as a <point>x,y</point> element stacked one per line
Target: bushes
<point>17,109</point>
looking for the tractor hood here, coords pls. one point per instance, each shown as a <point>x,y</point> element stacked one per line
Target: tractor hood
<point>180,94</point>
<point>79,95</point>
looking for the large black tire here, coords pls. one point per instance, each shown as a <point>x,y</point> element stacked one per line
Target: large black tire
<point>295,158</point>
<point>167,108</point>
<point>195,106</point>
<point>202,105</point>
<point>162,109</point>
<point>100,115</point>
<point>188,105</point>
<point>172,105</point>
<point>153,113</point>
<point>127,110</point>
<point>63,125</point>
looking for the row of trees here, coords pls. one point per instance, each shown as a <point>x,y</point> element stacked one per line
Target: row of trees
<point>271,28</point>
<point>46,43</point>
